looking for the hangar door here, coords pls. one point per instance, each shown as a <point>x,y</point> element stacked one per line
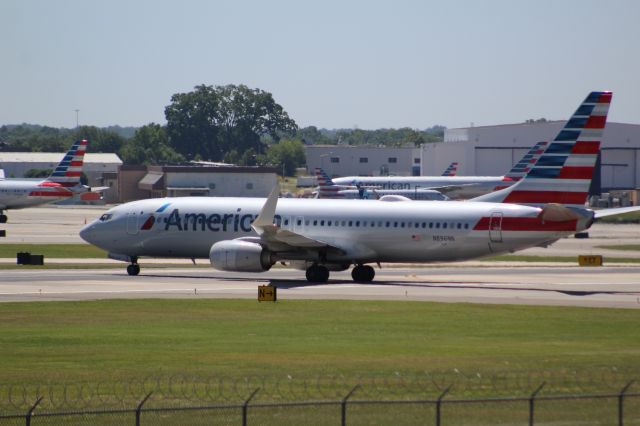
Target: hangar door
<point>493,161</point>
<point>619,168</point>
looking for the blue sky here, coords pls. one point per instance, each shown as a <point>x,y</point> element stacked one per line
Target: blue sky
<point>333,64</point>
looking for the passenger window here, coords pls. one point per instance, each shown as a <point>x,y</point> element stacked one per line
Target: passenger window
<point>402,224</point>
<point>388,224</point>
<point>430,225</point>
<point>444,225</point>
<point>395,224</point>
<point>437,225</point>
<point>459,226</point>
<point>328,223</point>
<point>350,223</point>
<point>299,222</point>
<point>286,222</point>
<point>357,223</point>
<point>322,223</point>
<point>466,226</point>
<point>424,224</point>
<point>315,222</point>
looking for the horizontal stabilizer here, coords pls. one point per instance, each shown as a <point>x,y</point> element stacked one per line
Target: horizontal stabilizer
<point>613,212</point>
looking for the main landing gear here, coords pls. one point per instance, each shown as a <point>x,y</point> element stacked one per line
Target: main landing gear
<point>320,274</point>
<point>3,218</point>
<point>363,273</point>
<point>133,268</point>
<point>317,274</point>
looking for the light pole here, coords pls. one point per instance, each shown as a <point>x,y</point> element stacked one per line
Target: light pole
<point>77,122</point>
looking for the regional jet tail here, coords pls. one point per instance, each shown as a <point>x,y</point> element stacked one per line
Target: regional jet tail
<point>63,183</point>
<point>451,170</point>
<point>319,236</point>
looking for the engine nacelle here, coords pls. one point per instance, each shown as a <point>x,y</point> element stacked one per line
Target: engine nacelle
<point>240,256</point>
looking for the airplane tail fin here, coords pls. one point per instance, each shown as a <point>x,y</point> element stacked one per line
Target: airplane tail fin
<point>523,166</point>
<point>67,173</point>
<point>451,170</point>
<point>326,187</point>
<point>564,171</point>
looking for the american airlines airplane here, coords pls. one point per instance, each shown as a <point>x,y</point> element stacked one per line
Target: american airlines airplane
<point>457,187</point>
<point>64,182</point>
<point>319,236</point>
<point>327,187</point>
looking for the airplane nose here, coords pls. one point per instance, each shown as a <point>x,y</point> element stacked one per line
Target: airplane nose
<point>87,233</point>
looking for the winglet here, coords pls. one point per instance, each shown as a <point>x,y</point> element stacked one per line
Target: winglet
<point>268,212</point>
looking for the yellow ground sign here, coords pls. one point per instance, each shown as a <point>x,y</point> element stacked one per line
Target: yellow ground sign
<point>267,293</point>
<point>590,260</point>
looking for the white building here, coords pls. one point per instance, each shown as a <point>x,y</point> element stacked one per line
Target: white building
<point>493,150</point>
<point>363,160</point>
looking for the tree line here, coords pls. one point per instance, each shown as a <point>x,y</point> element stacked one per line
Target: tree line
<point>231,124</point>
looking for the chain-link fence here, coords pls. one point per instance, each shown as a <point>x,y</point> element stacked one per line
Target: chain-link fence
<point>560,397</point>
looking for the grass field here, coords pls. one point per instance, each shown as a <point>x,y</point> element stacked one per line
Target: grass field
<point>120,339</point>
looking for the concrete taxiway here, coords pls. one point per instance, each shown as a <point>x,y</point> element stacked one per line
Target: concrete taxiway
<point>617,287</point>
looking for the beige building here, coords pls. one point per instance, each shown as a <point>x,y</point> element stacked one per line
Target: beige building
<point>138,182</point>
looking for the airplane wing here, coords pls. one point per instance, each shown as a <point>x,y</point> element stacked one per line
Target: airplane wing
<point>281,239</point>
<point>446,189</point>
<point>615,211</point>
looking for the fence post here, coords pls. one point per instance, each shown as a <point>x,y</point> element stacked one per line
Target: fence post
<point>439,403</point>
<point>620,402</point>
<point>532,397</point>
<point>245,406</point>
<point>344,404</point>
<point>139,408</point>
<point>30,412</point>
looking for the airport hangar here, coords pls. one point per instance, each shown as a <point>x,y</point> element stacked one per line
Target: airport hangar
<point>481,151</point>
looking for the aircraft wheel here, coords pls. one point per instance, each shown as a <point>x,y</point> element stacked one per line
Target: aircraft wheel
<point>133,269</point>
<point>3,218</point>
<point>363,273</point>
<point>317,274</point>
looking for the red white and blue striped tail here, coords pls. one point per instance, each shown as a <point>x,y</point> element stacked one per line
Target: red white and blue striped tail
<point>523,166</point>
<point>564,171</point>
<point>451,170</point>
<point>67,173</point>
<point>326,187</point>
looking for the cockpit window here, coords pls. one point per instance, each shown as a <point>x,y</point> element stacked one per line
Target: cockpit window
<point>105,217</point>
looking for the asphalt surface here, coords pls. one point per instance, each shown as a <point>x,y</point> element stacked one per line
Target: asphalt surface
<point>472,282</point>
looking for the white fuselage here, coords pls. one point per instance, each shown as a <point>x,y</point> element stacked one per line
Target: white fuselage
<point>462,187</point>
<point>374,231</point>
<point>19,193</point>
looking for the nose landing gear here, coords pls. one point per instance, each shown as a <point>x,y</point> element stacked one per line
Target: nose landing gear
<point>133,269</point>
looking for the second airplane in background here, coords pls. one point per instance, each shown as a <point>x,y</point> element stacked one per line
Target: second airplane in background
<point>424,187</point>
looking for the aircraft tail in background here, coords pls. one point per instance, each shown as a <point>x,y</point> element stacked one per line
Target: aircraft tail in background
<point>451,170</point>
<point>68,172</point>
<point>523,166</point>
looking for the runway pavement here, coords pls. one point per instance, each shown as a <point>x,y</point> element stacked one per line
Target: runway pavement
<point>617,287</point>
<point>475,282</point>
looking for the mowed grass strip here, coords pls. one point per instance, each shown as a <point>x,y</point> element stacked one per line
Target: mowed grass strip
<point>122,339</point>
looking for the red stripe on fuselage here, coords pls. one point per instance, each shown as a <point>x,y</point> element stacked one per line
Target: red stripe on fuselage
<point>544,197</point>
<point>50,194</point>
<point>526,224</point>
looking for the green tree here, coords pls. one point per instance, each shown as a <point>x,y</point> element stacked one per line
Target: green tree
<point>210,122</point>
<point>286,155</point>
<point>149,145</point>
<point>100,140</point>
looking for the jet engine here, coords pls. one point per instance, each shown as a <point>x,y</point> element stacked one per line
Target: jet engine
<point>240,256</point>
